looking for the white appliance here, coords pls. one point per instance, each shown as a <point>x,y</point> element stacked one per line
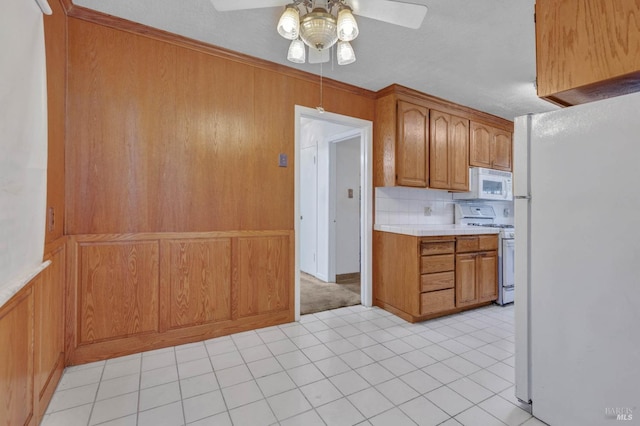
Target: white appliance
<point>487,184</point>
<point>577,202</point>
<point>483,214</point>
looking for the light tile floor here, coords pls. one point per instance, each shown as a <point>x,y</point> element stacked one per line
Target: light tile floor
<point>347,366</point>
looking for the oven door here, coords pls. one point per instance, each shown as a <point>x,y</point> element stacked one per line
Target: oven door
<point>507,284</point>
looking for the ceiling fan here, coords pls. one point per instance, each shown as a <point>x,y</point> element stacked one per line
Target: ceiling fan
<point>320,24</point>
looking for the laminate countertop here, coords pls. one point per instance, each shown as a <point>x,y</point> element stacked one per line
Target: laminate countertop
<point>435,230</point>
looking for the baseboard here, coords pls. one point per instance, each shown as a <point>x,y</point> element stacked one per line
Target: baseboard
<point>347,278</point>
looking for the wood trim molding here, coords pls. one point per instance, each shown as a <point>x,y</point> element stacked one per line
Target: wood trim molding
<point>117,23</point>
<point>143,236</point>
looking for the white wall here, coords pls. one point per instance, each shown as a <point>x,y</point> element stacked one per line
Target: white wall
<point>347,209</point>
<point>405,206</point>
<point>23,144</point>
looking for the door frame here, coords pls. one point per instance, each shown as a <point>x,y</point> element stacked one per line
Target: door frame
<point>365,129</point>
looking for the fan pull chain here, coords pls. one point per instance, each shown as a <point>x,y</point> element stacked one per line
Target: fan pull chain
<point>320,107</point>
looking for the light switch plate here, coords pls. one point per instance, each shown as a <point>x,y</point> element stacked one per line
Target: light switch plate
<point>283,160</point>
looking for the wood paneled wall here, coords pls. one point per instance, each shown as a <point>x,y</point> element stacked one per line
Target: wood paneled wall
<point>55,30</point>
<point>165,138</point>
<point>181,220</point>
<point>49,299</point>
<point>136,292</point>
<point>32,343</point>
<point>16,368</point>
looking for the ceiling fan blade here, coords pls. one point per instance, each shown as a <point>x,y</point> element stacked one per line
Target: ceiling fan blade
<point>319,56</point>
<point>394,12</point>
<point>228,5</point>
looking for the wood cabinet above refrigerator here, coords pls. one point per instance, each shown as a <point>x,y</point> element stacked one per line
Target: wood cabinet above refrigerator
<point>587,49</point>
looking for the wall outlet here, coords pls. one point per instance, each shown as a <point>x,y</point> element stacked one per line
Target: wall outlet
<point>427,211</point>
<point>505,212</point>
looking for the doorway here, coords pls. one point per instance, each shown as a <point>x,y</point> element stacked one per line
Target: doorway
<point>348,131</point>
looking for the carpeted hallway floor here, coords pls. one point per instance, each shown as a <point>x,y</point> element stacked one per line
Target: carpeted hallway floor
<point>317,296</point>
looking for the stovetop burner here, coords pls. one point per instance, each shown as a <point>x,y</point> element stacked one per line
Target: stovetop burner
<point>492,225</point>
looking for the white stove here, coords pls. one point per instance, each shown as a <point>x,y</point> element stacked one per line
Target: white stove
<point>482,214</point>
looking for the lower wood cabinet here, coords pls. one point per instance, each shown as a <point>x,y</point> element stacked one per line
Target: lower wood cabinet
<point>418,278</point>
<point>476,269</point>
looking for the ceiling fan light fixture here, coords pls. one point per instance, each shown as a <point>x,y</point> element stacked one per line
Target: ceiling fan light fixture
<point>347,25</point>
<point>289,23</point>
<point>318,29</point>
<point>296,53</point>
<point>345,53</point>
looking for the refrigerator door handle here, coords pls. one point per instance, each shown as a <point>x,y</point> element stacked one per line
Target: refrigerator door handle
<point>522,197</point>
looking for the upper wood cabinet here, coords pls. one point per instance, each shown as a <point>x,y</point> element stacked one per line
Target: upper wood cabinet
<point>412,147</point>
<point>449,152</point>
<point>587,49</point>
<point>423,141</point>
<point>489,147</point>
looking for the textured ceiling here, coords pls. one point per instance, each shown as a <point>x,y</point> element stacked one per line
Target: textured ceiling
<point>478,53</point>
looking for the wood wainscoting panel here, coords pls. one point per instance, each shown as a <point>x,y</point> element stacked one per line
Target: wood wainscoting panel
<point>145,291</point>
<point>49,294</point>
<point>263,275</point>
<point>195,283</point>
<point>118,290</point>
<point>16,365</point>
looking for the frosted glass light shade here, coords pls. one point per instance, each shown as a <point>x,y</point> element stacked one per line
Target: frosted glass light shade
<point>289,23</point>
<point>347,25</point>
<point>318,29</point>
<point>296,52</point>
<point>346,55</point>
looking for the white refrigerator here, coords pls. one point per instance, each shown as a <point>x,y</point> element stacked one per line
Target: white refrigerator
<point>577,263</point>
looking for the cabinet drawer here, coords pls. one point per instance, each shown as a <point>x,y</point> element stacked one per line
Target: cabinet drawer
<point>476,243</point>
<point>467,244</point>
<point>428,248</point>
<point>488,242</point>
<point>437,263</point>
<point>437,301</point>
<point>438,281</point>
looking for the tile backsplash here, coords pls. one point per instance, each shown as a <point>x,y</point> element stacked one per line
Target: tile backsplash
<point>406,206</point>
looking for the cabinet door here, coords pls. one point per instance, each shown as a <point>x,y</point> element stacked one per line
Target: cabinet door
<point>439,150</point>
<point>479,145</point>
<point>449,152</point>
<point>489,147</point>
<point>501,150</point>
<point>412,145</point>
<point>466,278</point>
<point>487,276</point>
<point>459,154</point>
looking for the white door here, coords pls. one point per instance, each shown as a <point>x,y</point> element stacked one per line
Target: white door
<point>347,207</point>
<point>308,210</point>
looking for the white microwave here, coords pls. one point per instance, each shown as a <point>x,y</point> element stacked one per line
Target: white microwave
<point>487,184</point>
